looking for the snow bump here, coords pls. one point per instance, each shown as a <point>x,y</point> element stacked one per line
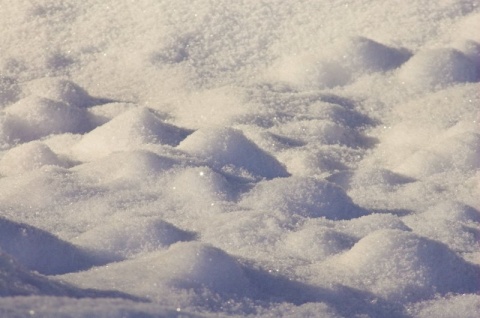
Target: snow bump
<point>229,148</point>
<point>128,131</point>
<point>60,90</point>
<point>127,239</point>
<point>402,266</point>
<point>197,265</point>
<point>27,157</point>
<point>337,65</point>
<point>43,252</point>
<point>363,55</point>
<point>317,243</point>
<point>35,117</point>
<point>303,196</point>
<point>123,168</point>
<point>437,69</point>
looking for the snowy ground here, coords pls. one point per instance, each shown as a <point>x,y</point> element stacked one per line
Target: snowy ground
<point>232,158</point>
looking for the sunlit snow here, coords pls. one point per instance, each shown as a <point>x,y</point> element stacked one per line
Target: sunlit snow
<point>216,158</point>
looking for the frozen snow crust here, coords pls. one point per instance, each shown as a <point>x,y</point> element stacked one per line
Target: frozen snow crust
<point>253,158</point>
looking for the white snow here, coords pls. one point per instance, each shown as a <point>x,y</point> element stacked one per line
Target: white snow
<point>239,158</point>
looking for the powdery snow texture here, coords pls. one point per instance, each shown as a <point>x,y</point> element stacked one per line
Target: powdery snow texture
<point>215,158</point>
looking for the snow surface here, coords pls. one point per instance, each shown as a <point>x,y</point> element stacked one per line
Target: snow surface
<point>207,158</point>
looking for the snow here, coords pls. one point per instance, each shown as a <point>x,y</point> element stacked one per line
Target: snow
<point>129,130</point>
<point>42,252</point>
<point>438,68</point>
<point>27,157</point>
<point>415,269</point>
<point>254,158</point>
<point>340,65</point>
<point>302,196</point>
<point>223,148</point>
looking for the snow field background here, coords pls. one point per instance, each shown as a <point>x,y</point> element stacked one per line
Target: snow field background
<point>307,158</point>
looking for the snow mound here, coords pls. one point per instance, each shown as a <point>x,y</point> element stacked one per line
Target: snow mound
<point>36,117</point>
<point>338,112</point>
<point>363,55</point>
<point>27,157</point>
<point>302,196</point>
<point>460,152</point>
<point>322,162</point>
<point>453,211</point>
<point>126,238</point>
<point>41,251</point>
<point>46,188</point>
<point>453,150</point>
<point>101,114</point>
<point>450,222</point>
<point>438,68</point>
<point>189,266</point>
<point>401,266</point>
<point>465,306</point>
<point>458,236</point>
<point>229,149</point>
<point>317,243</point>
<point>339,65</point>
<point>196,265</point>
<point>404,139</point>
<point>417,146</point>
<point>128,131</point>
<point>368,224</point>
<point>201,184</point>
<point>375,176</point>
<point>15,280</point>
<point>59,90</point>
<point>124,167</point>
<point>249,158</point>
<point>449,107</point>
<point>308,71</point>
